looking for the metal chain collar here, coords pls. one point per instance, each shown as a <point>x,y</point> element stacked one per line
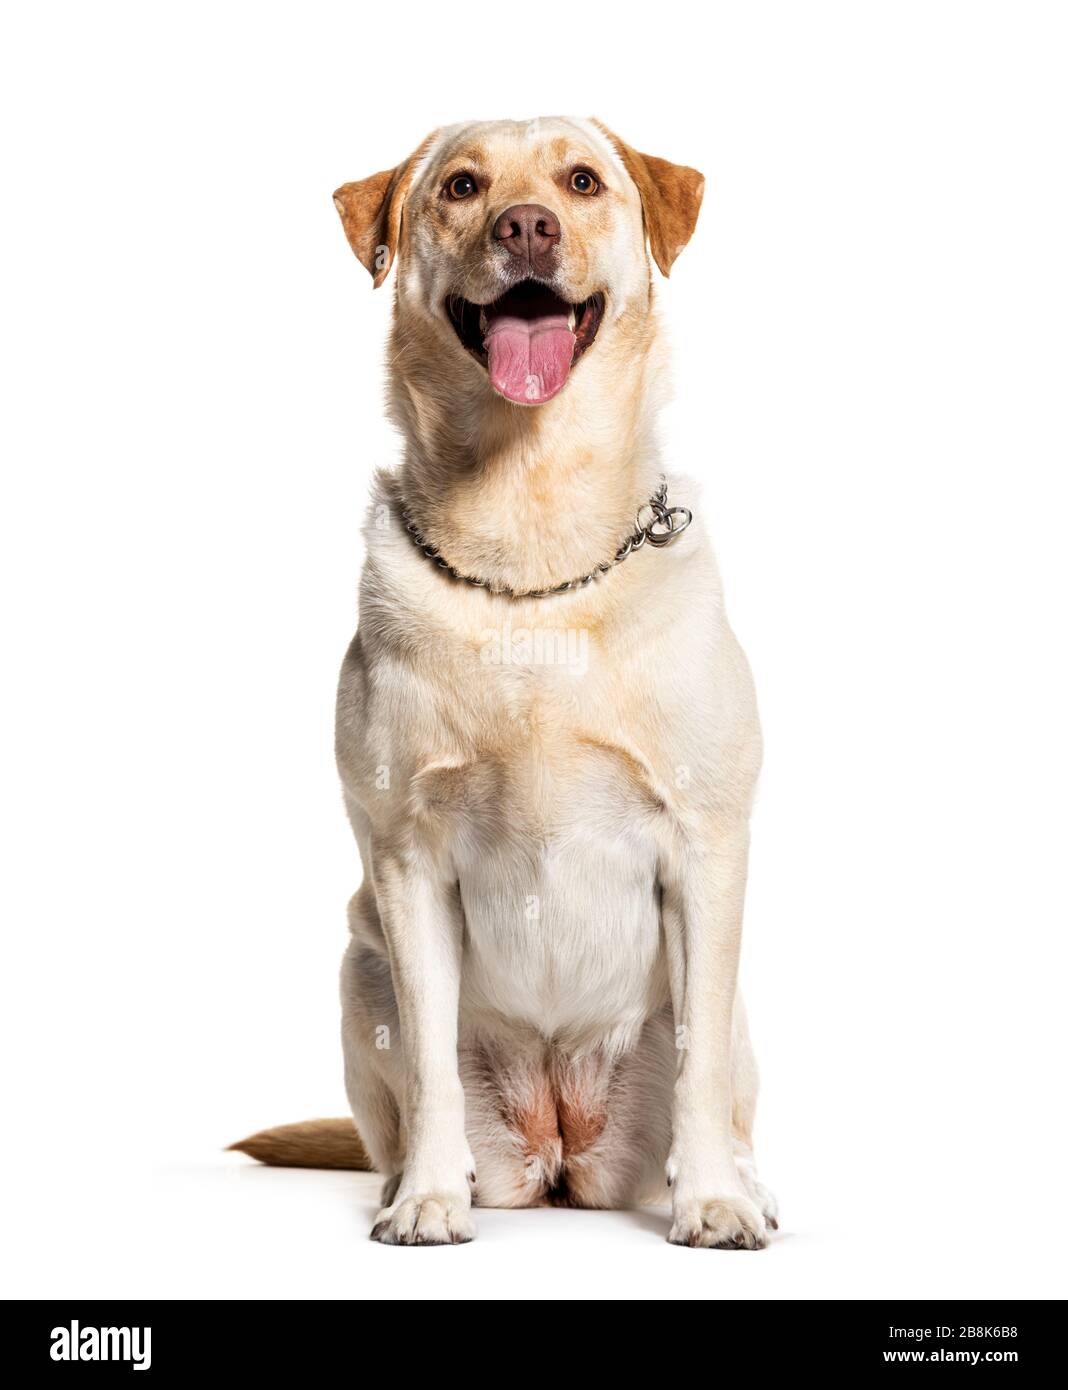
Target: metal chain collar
<point>665,524</point>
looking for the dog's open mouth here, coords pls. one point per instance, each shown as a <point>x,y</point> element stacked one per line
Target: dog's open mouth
<point>528,340</point>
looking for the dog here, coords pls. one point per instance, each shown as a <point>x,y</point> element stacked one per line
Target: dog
<point>539,997</point>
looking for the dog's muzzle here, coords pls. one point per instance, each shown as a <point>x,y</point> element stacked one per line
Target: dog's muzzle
<point>528,339</point>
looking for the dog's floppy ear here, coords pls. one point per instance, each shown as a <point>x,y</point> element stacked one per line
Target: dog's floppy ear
<point>371,213</point>
<point>671,199</point>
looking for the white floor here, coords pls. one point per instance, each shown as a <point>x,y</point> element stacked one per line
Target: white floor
<point>232,1229</point>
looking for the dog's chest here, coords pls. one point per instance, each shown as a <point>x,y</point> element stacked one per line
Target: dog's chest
<point>552,825</point>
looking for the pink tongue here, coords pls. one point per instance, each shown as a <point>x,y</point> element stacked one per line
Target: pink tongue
<point>529,359</point>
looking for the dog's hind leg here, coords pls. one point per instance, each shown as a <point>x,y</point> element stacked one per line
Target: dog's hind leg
<point>616,1121</point>
<point>373,1071</point>
<point>512,1123</point>
<point>616,1124</point>
<point>370,1032</point>
<point>745,1083</point>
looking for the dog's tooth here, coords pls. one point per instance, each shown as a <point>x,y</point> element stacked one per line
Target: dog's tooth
<point>571,318</point>
<point>483,322</point>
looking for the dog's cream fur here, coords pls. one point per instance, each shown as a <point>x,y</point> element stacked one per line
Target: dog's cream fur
<point>541,981</point>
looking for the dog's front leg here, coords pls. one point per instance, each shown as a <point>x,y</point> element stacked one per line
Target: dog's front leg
<point>704,892</point>
<point>423,926</point>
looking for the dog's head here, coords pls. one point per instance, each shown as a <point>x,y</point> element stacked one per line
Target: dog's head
<point>521,246</point>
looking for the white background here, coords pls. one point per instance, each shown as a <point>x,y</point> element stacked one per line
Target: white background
<point>870,348</point>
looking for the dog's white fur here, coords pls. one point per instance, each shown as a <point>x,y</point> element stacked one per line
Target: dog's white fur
<point>542,971</point>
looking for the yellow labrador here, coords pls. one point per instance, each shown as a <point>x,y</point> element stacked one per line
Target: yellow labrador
<point>546,730</point>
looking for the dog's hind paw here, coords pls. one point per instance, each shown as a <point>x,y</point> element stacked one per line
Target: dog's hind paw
<point>755,1190</point>
<point>765,1200</point>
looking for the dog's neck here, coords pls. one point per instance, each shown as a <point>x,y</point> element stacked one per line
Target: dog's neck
<point>527,498</point>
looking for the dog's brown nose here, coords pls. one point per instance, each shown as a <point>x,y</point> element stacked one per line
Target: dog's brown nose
<point>528,231</point>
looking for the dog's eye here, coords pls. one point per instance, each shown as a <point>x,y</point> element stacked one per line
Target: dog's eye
<point>582,181</point>
<point>462,186</point>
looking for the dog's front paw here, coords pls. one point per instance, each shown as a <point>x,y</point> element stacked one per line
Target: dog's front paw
<point>718,1223</point>
<point>431,1218</point>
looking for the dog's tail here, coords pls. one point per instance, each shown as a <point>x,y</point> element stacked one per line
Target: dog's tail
<point>309,1144</point>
